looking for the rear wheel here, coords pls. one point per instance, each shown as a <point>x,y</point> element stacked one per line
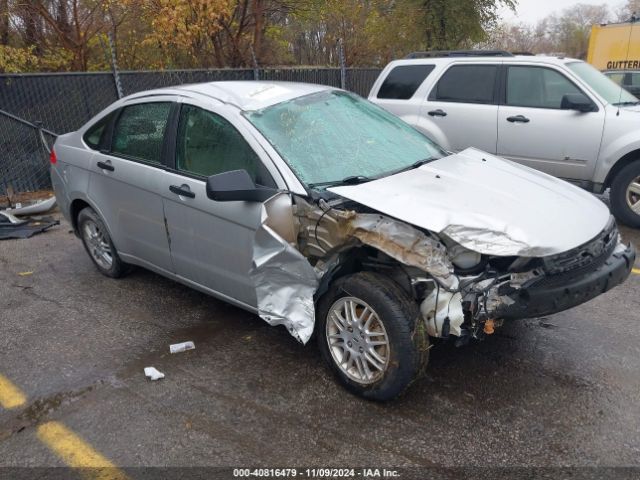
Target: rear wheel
<point>625,195</point>
<point>369,335</point>
<point>98,244</point>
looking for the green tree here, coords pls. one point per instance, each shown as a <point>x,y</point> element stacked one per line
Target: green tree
<point>457,24</point>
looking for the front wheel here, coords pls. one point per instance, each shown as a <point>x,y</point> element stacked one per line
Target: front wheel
<point>625,195</point>
<point>370,336</point>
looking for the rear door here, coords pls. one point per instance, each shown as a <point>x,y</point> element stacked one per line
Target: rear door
<point>534,130</point>
<point>125,181</point>
<point>212,242</point>
<point>462,106</point>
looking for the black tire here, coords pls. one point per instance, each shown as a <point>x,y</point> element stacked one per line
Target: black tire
<point>407,338</point>
<point>618,195</point>
<point>117,267</point>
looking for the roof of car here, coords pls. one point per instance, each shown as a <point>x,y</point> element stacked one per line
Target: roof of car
<point>244,94</point>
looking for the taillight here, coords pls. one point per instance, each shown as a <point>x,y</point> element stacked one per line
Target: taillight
<point>52,157</point>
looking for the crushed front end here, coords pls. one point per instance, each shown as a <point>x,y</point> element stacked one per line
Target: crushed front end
<point>509,288</point>
<point>460,292</point>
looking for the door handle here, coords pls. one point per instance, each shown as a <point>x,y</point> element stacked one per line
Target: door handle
<point>182,190</point>
<point>106,166</point>
<point>518,118</point>
<point>437,113</point>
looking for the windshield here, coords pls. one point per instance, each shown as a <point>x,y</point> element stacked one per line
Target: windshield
<point>610,91</point>
<point>331,136</point>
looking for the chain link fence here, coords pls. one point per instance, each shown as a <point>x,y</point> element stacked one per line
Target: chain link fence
<point>62,102</point>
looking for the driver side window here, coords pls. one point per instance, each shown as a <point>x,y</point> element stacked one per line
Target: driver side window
<point>537,87</point>
<point>207,144</point>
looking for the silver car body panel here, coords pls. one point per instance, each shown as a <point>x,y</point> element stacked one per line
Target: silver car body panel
<point>487,204</point>
<point>284,280</point>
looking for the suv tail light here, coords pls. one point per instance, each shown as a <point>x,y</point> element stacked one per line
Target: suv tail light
<point>52,157</point>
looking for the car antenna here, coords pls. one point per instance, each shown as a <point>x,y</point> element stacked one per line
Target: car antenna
<point>626,59</point>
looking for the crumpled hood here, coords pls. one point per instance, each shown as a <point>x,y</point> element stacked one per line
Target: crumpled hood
<point>487,204</point>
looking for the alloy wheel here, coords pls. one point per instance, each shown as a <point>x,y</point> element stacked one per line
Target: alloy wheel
<point>98,244</point>
<point>357,340</point>
<point>633,195</point>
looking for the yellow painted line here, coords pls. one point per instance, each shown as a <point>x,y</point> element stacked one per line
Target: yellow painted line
<point>636,271</point>
<point>10,395</point>
<point>76,453</point>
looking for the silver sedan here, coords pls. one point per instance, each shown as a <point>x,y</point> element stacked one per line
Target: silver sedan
<point>321,212</point>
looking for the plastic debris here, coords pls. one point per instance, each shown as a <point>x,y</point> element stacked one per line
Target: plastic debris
<point>181,347</point>
<point>39,206</point>
<point>25,274</point>
<point>13,227</point>
<point>152,373</point>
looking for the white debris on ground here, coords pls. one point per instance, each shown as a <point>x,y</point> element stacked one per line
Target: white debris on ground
<point>152,373</point>
<point>181,347</point>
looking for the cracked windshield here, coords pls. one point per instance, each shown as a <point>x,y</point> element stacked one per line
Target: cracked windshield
<point>328,137</point>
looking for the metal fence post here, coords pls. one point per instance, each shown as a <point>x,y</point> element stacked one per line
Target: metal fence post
<point>114,66</point>
<point>343,68</point>
<point>256,69</point>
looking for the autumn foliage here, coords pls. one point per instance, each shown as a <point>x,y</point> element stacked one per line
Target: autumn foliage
<point>149,34</point>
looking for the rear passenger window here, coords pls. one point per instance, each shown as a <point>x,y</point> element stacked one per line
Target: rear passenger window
<point>537,87</point>
<point>403,81</point>
<point>466,84</point>
<point>139,132</point>
<point>93,136</point>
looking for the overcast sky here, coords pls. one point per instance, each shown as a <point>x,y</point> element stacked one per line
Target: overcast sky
<point>530,11</point>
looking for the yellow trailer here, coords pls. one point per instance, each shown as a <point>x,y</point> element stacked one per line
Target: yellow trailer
<point>615,46</point>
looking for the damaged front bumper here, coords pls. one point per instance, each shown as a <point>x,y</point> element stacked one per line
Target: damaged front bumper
<point>555,293</point>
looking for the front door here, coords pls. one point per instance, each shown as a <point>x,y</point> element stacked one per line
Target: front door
<point>212,242</point>
<point>535,131</point>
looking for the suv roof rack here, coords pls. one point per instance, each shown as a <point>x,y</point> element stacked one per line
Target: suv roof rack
<point>460,53</point>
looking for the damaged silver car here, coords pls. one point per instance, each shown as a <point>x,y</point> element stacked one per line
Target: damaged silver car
<point>321,212</point>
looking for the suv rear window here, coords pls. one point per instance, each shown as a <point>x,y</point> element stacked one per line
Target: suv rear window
<point>403,81</point>
<point>466,84</point>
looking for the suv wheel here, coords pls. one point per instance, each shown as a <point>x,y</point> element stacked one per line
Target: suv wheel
<point>98,244</point>
<point>625,195</point>
<point>369,335</point>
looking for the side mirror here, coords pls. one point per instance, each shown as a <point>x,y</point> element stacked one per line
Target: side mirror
<point>577,101</point>
<point>236,186</point>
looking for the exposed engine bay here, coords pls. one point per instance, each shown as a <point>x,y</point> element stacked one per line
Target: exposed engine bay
<point>460,292</point>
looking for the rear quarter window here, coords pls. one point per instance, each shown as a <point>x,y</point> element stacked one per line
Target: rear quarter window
<point>94,136</point>
<point>403,81</point>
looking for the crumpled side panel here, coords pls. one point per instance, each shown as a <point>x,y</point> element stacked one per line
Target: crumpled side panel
<point>406,245</point>
<point>285,283</point>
